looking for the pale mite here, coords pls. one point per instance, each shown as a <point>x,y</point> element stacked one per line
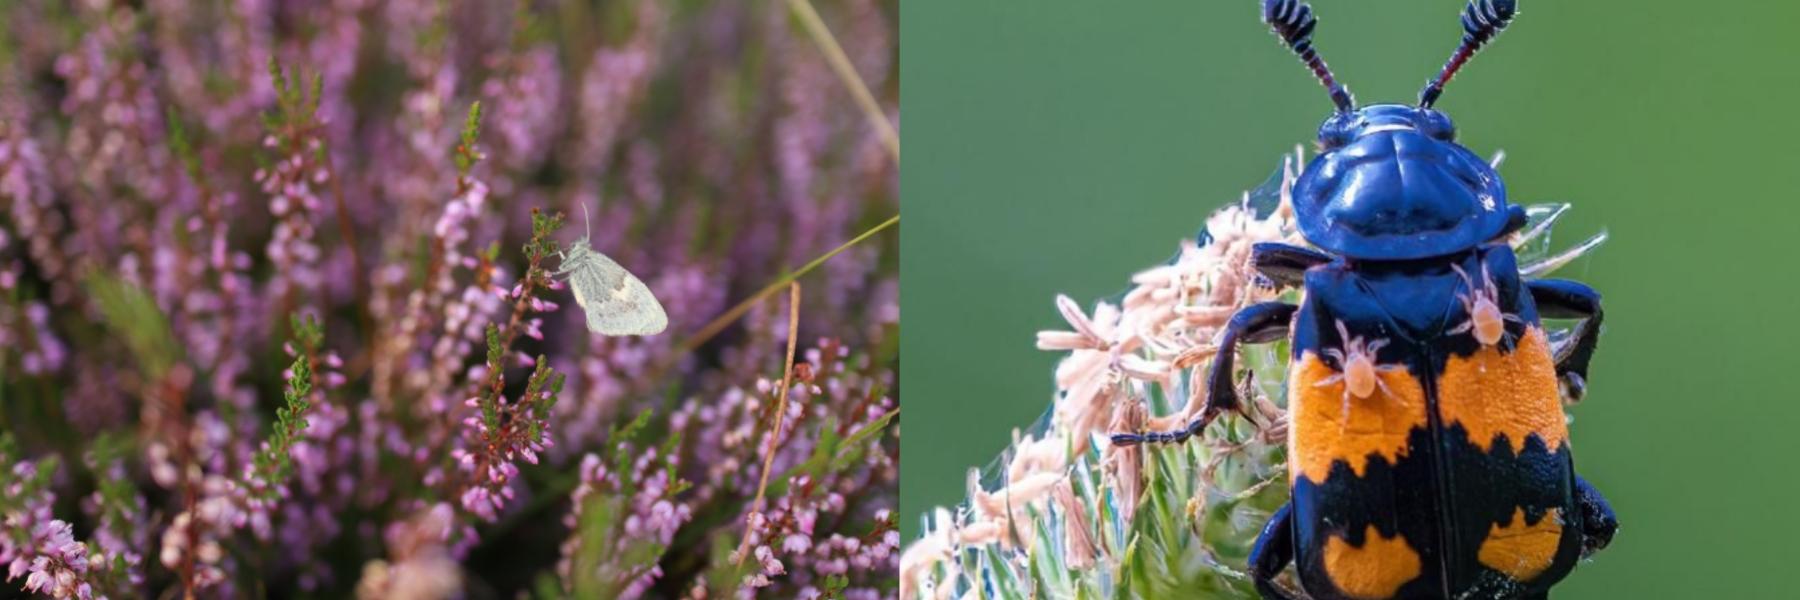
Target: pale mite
<point>615,301</point>
<point>1360,374</point>
<point>1482,303</point>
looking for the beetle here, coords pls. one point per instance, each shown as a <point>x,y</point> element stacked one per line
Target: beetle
<point>1428,455</point>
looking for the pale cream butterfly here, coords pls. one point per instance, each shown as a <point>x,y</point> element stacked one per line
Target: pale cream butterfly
<point>615,301</point>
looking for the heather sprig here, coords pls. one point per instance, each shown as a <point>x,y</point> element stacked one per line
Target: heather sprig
<point>294,135</point>
<point>627,512</point>
<point>815,525</point>
<point>59,566</point>
<point>505,431</point>
<point>183,148</point>
<point>296,107</point>
<point>113,492</point>
<point>526,300</point>
<point>466,155</point>
<point>205,320</point>
<point>434,301</point>
<point>219,506</point>
<point>525,419</point>
<point>542,244</point>
<point>33,544</point>
<point>274,462</point>
<point>122,531</point>
<point>23,483</point>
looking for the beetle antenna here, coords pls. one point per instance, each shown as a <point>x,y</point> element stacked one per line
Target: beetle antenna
<point>1481,21</point>
<point>1293,22</point>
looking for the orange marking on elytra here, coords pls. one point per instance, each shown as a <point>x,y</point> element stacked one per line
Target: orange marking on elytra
<point>1328,423</point>
<point>1510,394</point>
<point>1374,571</point>
<point>1522,550</point>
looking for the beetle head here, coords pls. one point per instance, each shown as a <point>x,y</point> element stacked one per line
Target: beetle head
<point>1390,182</point>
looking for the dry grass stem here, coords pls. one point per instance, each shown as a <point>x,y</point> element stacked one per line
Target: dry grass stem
<point>787,382</point>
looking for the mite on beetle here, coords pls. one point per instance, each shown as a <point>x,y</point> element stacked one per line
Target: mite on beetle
<point>1428,455</point>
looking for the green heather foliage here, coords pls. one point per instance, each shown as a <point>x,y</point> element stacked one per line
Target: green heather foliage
<point>131,315</point>
<point>273,463</point>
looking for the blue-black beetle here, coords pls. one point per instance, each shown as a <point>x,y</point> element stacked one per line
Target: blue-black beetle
<point>1428,455</point>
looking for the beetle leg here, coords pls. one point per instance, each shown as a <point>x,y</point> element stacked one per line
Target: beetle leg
<point>1598,523</point>
<point>1564,299</point>
<point>1285,265</point>
<point>1256,324</point>
<point>1273,551</point>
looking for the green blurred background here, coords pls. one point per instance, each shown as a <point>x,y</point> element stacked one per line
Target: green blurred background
<point>1059,146</point>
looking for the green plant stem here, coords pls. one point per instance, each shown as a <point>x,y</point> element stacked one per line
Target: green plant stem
<point>718,324</point>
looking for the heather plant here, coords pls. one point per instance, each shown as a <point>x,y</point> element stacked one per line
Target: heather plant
<point>1066,514</point>
<point>279,313</point>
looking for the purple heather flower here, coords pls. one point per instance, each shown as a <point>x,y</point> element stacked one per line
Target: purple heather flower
<point>715,151</point>
<point>650,518</point>
<point>61,564</point>
<point>526,103</point>
<point>34,545</point>
<point>616,77</point>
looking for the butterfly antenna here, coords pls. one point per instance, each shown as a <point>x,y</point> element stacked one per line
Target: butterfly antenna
<point>589,219</point>
<point>1293,22</point>
<point>1481,21</point>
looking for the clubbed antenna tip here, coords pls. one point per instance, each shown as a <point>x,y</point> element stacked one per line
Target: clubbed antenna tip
<point>1481,21</point>
<point>1293,22</point>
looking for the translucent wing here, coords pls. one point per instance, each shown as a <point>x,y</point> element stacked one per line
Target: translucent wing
<point>615,301</point>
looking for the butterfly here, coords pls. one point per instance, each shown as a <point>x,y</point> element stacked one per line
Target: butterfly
<point>615,301</point>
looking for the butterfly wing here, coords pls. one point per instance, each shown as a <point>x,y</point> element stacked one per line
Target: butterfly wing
<point>615,301</point>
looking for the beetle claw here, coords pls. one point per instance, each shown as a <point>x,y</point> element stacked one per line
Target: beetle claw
<point>1573,387</point>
